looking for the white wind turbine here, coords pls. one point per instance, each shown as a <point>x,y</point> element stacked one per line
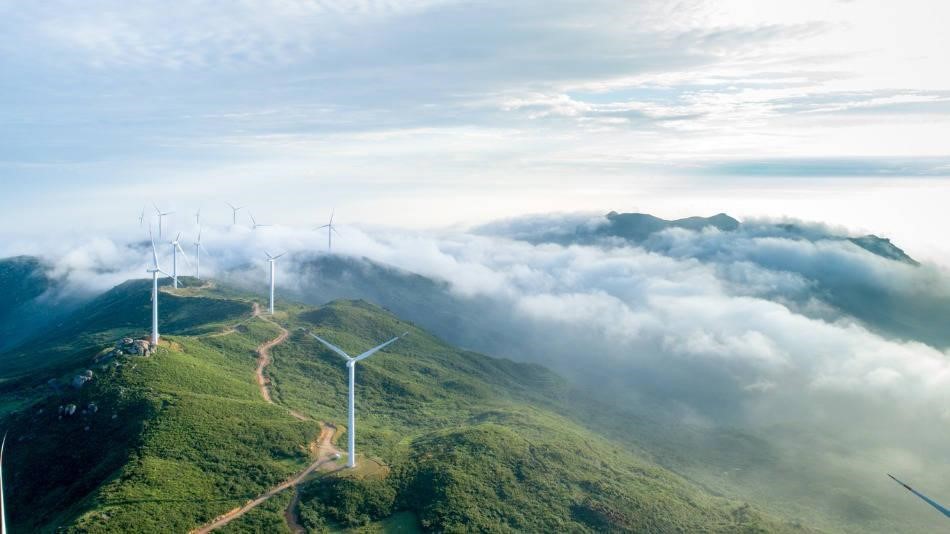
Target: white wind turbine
<point>234,210</point>
<point>330,229</point>
<point>142,217</point>
<point>198,248</point>
<point>351,365</point>
<point>254,225</point>
<point>198,218</point>
<point>176,248</point>
<point>272,260</point>
<point>3,502</point>
<point>160,216</point>
<point>155,270</point>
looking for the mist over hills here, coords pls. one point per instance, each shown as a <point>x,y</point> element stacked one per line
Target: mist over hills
<point>768,351</point>
<point>169,441</point>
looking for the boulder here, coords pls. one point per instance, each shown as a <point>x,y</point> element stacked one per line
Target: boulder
<point>79,381</point>
<point>70,409</point>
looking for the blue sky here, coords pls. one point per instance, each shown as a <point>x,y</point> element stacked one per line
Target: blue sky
<point>428,112</point>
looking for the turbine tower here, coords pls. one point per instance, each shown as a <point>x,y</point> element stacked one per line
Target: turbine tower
<point>330,229</point>
<point>176,248</point>
<point>160,216</point>
<point>234,210</point>
<point>272,260</point>
<point>155,270</point>
<point>351,365</point>
<point>198,248</point>
<point>254,225</point>
<point>3,502</point>
<point>198,218</point>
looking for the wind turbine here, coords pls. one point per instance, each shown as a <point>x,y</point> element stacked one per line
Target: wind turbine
<point>926,499</point>
<point>254,225</point>
<point>155,270</point>
<point>142,217</point>
<point>176,248</point>
<point>198,217</point>
<point>351,365</point>
<point>330,229</point>
<point>272,260</point>
<point>234,210</point>
<point>198,248</point>
<point>3,502</point>
<point>160,215</point>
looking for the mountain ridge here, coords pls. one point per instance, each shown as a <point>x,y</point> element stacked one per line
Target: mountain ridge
<point>173,412</point>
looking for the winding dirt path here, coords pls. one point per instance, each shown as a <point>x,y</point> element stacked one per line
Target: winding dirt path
<point>264,359</point>
<point>323,448</point>
<point>325,451</point>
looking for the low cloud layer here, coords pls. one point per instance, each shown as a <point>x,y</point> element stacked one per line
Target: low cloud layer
<point>746,328</point>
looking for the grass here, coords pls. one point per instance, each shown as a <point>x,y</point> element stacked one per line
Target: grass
<point>454,440</point>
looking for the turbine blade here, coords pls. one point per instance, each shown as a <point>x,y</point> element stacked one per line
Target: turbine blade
<point>158,211</point>
<point>268,255</point>
<point>230,205</point>
<point>183,253</point>
<point>3,502</point>
<point>374,350</point>
<point>324,226</point>
<point>332,347</point>
<point>154,252</point>
<point>279,255</point>
<point>333,228</point>
<point>926,499</point>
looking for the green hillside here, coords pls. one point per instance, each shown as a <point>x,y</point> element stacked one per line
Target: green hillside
<point>450,440</point>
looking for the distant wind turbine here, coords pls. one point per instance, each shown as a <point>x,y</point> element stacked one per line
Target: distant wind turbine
<point>351,365</point>
<point>234,210</point>
<point>142,217</point>
<point>198,217</point>
<point>272,260</point>
<point>926,499</point>
<point>254,224</point>
<point>160,217</point>
<point>176,248</point>
<point>198,248</point>
<point>155,270</point>
<point>330,229</point>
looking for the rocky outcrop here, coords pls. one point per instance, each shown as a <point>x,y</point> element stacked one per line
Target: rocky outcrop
<point>80,380</point>
<point>127,345</point>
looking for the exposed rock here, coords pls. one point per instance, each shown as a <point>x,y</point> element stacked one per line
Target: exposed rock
<point>92,408</point>
<point>70,409</point>
<point>143,346</point>
<point>80,380</point>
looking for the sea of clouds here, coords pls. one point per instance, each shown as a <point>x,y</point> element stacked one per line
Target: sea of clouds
<point>707,328</point>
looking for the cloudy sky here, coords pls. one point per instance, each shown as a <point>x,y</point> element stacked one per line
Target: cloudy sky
<point>433,112</point>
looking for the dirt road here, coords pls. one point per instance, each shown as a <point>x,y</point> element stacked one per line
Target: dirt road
<point>325,451</point>
<point>263,357</point>
<point>322,448</point>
